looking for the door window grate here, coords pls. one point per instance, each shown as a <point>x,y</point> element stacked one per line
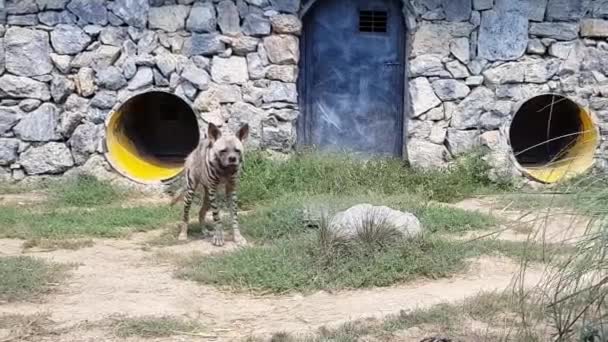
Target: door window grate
<point>373,21</point>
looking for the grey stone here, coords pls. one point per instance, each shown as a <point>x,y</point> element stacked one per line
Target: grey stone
<point>277,135</point>
<point>104,99</point>
<point>129,69</point>
<point>242,45</point>
<point>422,95</point>
<point>593,60</point>
<point>596,28</point>
<point>467,113</point>
<point>438,134</point>
<point>38,125</point>
<point>168,18</point>
<point>145,60</point>
<point>9,117</point>
<point>482,5</point>
<point>159,79</point>
<point>286,24</point>
<point>436,114</point>
<point>281,92</point>
<point>457,10</point>
<point>52,18</point>
<point>97,115</point>
<point>512,72</point>
<point>255,66</point>
<point>282,49</point>
<point>253,94</point>
<point>202,18</point>
<point>111,78</point>
<point>288,6</point>
<point>259,3</point>
<point>147,43</point>
<point>143,78</point>
<point>427,65</point>
<point>27,52</point>
<point>536,47</point>
<point>114,36</point>
<point>531,9</point>
<point>90,11</point>
<point>459,47</point>
<point>20,6</point>
<point>475,18</point>
<point>228,18</point>
<point>103,56</point>
<point>84,142</point>
<point>474,81</point>
<point>561,50</point>
<point>559,31</point>
<point>29,105</point>
<point>22,20</point>
<point>23,87</point>
<point>206,44</point>
<point>166,63</point>
<point>2,57</point>
<point>457,70</point>
<point>69,40</point>
<point>186,90</point>
<point>132,12</point>
<point>426,155</point>
<point>92,30</point>
<point>51,4</point>
<point>51,158</point>
<point>541,70</point>
<point>435,37</point>
<point>8,151</point>
<point>436,14</point>
<point>198,77</point>
<point>476,66</point>
<point>460,142</point>
<point>566,10</point>
<point>502,36</point>
<point>519,92</point>
<point>283,73</point>
<point>61,88</point>
<point>85,82</point>
<point>231,70</point>
<point>256,25</point>
<point>448,90</point>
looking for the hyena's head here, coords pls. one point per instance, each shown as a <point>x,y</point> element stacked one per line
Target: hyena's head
<point>227,149</point>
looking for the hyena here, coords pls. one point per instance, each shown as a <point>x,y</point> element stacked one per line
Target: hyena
<point>216,161</point>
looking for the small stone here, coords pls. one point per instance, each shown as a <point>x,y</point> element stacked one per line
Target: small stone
<point>61,88</point>
<point>256,25</point>
<point>460,142</point>
<point>92,30</point>
<point>231,70</point>
<point>536,47</point>
<point>27,52</point>
<point>426,155</point>
<point>147,43</point>
<point>23,87</point>
<point>61,62</point>
<point>52,4</point>
<point>132,12</point>
<point>284,73</point>
<point>104,99</point>
<point>436,113</point>
<point>282,49</point>
<point>114,36</point>
<point>84,142</point>
<point>97,115</point>
<point>467,113</point>
<point>206,44</point>
<point>186,90</point>
<point>448,90</point>
<point>38,125</point>
<point>198,77</point>
<point>145,60</point>
<point>565,10</point>
<point>559,31</point>
<point>459,47</point>
<point>129,69</point>
<point>541,70</point>
<point>202,18</point>
<point>436,14</point>
<point>561,50</point>
<point>52,18</point>
<point>476,66</point>
<point>423,96</point>
<point>242,45</point>
<point>427,65</point>
<point>20,7</point>
<point>438,134</point>
<point>8,151</point>
<point>474,81</point>
<point>202,62</point>
<point>288,6</point>
<point>103,56</point>
<point>228,18</point>
<point>596,28</point>
<point>85,82</point>
<point>69,40</point>
<point>22,20</point>
<point>29,105</point>
<point>90,11</point>
<point>435,37</point>
<point>143,78</point>
<point>159,79</point>
<point>51,158</point>
<point>505,73</point>
<point>457,10</point>
<point>255,66</point>
<point>9,117</point>
<point>168,18</point>
<point>502,36</point>
<point>457,69</point>
<point>281,92</point>
<point>111,78</point>
<point>286,24</point>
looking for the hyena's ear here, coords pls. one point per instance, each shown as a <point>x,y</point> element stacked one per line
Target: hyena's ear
<point>243,132</point>
<point>213,133</point>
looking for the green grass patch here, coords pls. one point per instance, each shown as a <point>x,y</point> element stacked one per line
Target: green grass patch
<point>436,218</point>
<point>84,191</point>
<point>99,222</point>
<point>331,174</point>
<point>26,278</point>
<point>153,327</point>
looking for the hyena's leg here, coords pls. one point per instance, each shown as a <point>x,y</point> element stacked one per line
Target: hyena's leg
<point>188,196</point>
<point>233,207</point>
<point>218,236</point>
<point>204,209</point>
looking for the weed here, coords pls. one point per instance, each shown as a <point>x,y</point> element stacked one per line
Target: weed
<point>151,327</point>
<point>84,191</point>
<point>25,327</point>
<point>25,278</point>
<point>444,219</point>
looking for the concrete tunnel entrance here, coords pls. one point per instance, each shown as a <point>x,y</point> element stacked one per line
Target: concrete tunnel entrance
<point>149,136</point>
<point>553,138</point>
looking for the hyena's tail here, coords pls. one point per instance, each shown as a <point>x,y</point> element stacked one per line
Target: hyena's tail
<point>179,195</point>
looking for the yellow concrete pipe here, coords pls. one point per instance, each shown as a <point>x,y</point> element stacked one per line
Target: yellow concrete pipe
<point>553,119</point>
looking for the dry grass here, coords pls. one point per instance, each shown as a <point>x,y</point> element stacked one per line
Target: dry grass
<point>55,244</point>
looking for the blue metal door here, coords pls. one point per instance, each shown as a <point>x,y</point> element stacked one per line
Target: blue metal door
<point>352,81</point>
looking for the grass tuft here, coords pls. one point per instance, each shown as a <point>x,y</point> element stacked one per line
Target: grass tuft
<point>26,278</point>
<point>84,191</point>
<point>153,327</point>
<point>55,244</point>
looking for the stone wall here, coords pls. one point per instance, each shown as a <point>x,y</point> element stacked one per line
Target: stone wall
<point>65,64</point>
<point>472,62</point>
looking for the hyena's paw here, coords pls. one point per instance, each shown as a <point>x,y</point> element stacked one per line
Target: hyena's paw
<point>218,238</point>
<point>239,240</point>
<point>183,232</point>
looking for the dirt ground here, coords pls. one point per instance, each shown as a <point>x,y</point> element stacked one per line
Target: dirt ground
<point>119,277</point>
